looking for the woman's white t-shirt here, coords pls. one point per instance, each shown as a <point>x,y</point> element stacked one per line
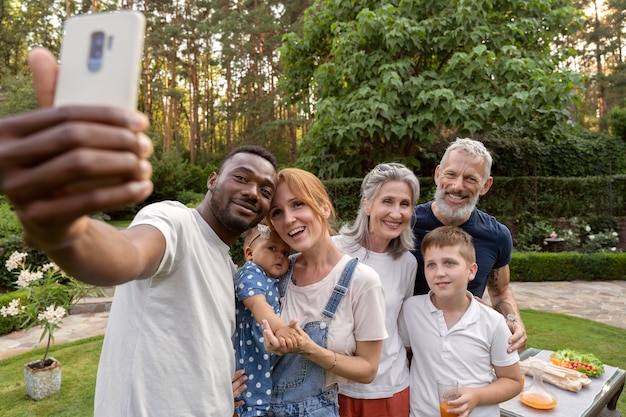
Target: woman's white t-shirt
<point>360,315</point>
<point>398,279</point>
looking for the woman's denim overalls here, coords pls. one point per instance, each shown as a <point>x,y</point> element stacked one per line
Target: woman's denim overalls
<point>299,385</point>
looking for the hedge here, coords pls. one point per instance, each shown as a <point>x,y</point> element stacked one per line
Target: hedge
<point>568,266</point>
<point>545,197</point>
<point>9,324</point>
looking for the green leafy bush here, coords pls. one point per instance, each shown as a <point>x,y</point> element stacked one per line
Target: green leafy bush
<point>556,197</point>
<point>198,177</point>
<point>9,324</point>
<point>170,176</point>
<point>50,293</point>
<point>576,234</point>
<point>617,122</point>
<point>604,241</point>
<point>15,244</point>
<point>190,198</point>
<point>18,94</point>
<point>566,151</point>
<point>236,252</point>
<point>530,236</point>
<point>9,223</point>
<point>568,266</point>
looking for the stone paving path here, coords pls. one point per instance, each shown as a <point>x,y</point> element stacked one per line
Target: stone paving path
<point>602,301</point>
<point>89,319</point>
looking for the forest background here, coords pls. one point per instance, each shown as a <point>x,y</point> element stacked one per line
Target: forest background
<point>336,86</point>
<point>342,85</point>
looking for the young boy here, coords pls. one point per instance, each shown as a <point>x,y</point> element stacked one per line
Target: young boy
<point>257,298</point>
<point>454,336</point>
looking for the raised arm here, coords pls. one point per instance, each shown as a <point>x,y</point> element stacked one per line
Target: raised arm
<point>503,301</point>
<point>57,165</point>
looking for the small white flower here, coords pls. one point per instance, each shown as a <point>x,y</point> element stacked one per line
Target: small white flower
<point>613,249</point>
<point>591,237</point>
<point>26,277</point>
<point>52,314</point>
<point>588,228</point>
<point>51,266</point>
<point>13,308</point>
<point>614,234</point>
<point>15,260</point>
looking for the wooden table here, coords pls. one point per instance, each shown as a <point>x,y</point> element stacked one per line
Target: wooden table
<point>603,395</point>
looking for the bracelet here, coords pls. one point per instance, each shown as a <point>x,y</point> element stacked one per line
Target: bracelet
<point>334,362</point>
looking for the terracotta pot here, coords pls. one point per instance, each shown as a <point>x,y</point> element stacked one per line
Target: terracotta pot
<point>44,380</point>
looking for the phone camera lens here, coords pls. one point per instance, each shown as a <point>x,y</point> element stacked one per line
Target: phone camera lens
<point>95,51</point>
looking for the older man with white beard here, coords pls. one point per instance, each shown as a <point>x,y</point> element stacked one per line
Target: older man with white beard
<point>462,176</point>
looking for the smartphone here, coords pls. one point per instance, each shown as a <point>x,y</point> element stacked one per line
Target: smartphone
<point>100,59</point>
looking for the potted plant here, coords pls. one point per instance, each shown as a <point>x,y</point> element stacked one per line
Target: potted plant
<point>50,293</point>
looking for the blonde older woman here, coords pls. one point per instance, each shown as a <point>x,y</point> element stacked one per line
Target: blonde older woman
<point>381,238</point>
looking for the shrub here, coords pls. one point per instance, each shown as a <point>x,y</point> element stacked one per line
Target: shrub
<point>9,223</point>
<point>577,234</point>
<point>190,198</point>
<point>566,151</point>
<point>15,244</point>
<point>603,241</point>
<point>18,94</point>
<point>170,175</point>
<point>9,324</point>
<point>556,197</point>
<point>236,252</point>
<point>50,294</point>
<point>198,177</point>
<point>530,236</point>
<point>568,266</point>
<point>617,122</point>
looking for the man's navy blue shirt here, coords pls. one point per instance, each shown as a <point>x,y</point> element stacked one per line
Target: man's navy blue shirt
<point>492,241</point>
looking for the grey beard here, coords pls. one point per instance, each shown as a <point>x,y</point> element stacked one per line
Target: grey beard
<point>459,214</point>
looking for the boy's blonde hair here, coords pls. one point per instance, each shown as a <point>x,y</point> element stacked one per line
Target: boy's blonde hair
<point>446,236</point>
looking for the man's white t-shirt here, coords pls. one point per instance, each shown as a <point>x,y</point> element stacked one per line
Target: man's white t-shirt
<point>167,349</point>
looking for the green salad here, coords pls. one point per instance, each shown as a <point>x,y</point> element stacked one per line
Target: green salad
<point>586,363</point>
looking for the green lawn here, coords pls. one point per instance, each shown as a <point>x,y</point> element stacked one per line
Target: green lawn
<point>120,224</point>
<point>80,360</point>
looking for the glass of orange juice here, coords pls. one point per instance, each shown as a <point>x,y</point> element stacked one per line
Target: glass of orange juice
<point>448,390</point>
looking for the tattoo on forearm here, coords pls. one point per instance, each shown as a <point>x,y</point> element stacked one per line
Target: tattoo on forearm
<point>492,282</point>
<point>492,278</point>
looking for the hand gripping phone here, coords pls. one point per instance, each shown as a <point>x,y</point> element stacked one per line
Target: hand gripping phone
<point>100,59</point>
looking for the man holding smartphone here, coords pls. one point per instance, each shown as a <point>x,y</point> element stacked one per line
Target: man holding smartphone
<point>167,349</point>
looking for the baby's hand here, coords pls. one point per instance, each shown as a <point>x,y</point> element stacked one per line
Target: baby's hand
<point>288,337</point>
